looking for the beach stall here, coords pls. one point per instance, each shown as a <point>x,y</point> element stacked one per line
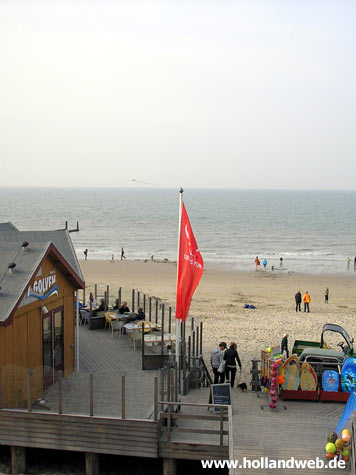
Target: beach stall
<point>39,274</point>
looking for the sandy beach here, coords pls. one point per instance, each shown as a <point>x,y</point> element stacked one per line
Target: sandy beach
<point>220,298</point>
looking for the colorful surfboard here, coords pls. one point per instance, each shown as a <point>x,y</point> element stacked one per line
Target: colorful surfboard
<point>291,369</point>
<point>308,379</point>
<point>330,381</point>
<point>348,375</point>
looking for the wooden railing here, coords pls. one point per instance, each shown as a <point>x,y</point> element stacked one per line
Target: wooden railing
<point>173,437</point>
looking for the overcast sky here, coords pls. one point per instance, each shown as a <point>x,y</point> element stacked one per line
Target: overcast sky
<point>213,93</point>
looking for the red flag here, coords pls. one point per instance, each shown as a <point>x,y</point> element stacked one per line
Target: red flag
<point>190,267</point>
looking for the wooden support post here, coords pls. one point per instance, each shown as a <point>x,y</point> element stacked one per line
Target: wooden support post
<point>150,309</point>
<point>96,291</point>
<point>189,351</point>
<point>123,400</point>
<point>91,394</point>
<point>170,320</point>
<point>169,384</point>
<point>107,297</point>
<point>60,406</point>
<point>169,466</point>
<point>91,305</point>
<point>119,296</point>
<point>184,367</point>
<point>144,303</point>
<point>161,384</point>
<point>197,342</point>
<point>84,296</point>
<point>18,460</point>
<point>92,464</point>
<point>201,338</point>
<point>176,382</point>
<point>169,422</point>
<point>0,391</point>
<point>156,316</point>
<point>138,299</point>
<point>221,426</point>
<point>155,399</point>
<point>133,300</point>
<point>162,335</point>
<point>192,326</point>
<point>193,344</point>
<point>29,390</point>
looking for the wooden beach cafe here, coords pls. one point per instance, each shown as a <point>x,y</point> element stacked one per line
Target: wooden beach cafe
<point>39,274</point>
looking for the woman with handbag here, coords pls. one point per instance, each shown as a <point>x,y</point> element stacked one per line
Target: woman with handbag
<point>218,363</point>
<point>231,356</point>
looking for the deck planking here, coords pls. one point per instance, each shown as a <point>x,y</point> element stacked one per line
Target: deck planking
<point>299,432</point>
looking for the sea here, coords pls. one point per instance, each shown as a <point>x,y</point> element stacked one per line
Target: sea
<point>313,231</point>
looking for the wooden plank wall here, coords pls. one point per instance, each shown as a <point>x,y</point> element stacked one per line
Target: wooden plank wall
<point>21,343</point>
<point>129,437</point>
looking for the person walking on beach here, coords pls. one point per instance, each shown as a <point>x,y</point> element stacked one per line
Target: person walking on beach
<point>86,254</point>
<point>298,301</point>
<point>122,253</point>
<point>264,262</point>
<point>231,356</point>
<point>327,295</point>
<point>281,261</point>
<point>257,262</point>
<point>217,362</point>
<point>284,345</point>
<point>112,258</point>
<point>306,301</point>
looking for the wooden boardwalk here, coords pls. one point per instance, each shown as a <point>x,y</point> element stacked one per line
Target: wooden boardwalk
<point>108,359</point>
<point>299,432</point>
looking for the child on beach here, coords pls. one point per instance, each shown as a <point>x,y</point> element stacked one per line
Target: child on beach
<point>257,262</point>
<point>264,263</point>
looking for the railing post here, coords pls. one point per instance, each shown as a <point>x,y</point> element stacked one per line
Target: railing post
<point>84,296</point>
<point>60,407</point>
<point>133,300</point>
<point>138,299</point>
<point>162,335</point>
<point>169,422</point>
<point>161,382</point>
<point>197,350</point>
<point>107,297</point>
<point>170,320</point>
<point>91,394</point>
<point>119,296</point>
<point>144,303</point>
<point>189,351</point>
<point>221,426</point>
<point>155,399</point>
<point>193,344</point>
<point>150,309</point>
<point>29,390</point>
<point>123,401</point>
<point>96,291</point>
<point>184,369</point>
<point>0,391</point>
<point>156,316</point>
<point>201,338</point>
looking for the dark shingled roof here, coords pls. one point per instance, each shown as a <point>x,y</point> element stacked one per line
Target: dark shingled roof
<point>27,260</point>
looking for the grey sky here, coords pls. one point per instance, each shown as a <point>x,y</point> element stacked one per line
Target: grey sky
<point>214,93</point>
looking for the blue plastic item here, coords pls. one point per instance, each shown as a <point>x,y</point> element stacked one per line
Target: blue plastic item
<point>330,381</point>
<point>348,375</point>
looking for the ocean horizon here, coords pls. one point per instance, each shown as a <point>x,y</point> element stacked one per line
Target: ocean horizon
<point>313,231</point>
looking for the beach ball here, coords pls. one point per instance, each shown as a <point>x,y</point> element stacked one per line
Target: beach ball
<point>330,448</point>
<point>330,456</point>
<point>346,437</point>
<point>346,431</point>
<point>280,379</point>
<point>274,379</point>
<point>332,436</point>
<point>339,443</point>
<point>269,350</point>
<point>345,453</point>
<point>346,458</point>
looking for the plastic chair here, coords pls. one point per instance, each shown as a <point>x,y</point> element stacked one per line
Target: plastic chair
<point>117,326</point>
<point>147,326</point>
<point>108,321</point>
<point>85,317</point>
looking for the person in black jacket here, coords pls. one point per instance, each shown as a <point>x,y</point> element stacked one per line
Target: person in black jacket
<point>298,301</point>
<point>124,308</point>
<point>231,356</point>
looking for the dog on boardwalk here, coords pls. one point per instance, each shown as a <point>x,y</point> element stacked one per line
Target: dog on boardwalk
<point>242,387</point>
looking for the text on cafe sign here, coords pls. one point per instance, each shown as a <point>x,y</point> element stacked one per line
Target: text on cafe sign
<point>41,289</point>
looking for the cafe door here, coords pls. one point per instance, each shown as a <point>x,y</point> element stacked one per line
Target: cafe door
<point>52,338</point>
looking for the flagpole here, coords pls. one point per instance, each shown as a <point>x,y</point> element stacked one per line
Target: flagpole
<point>178,322</point>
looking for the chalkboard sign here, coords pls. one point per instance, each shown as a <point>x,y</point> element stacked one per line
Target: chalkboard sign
<point>221,394</point>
